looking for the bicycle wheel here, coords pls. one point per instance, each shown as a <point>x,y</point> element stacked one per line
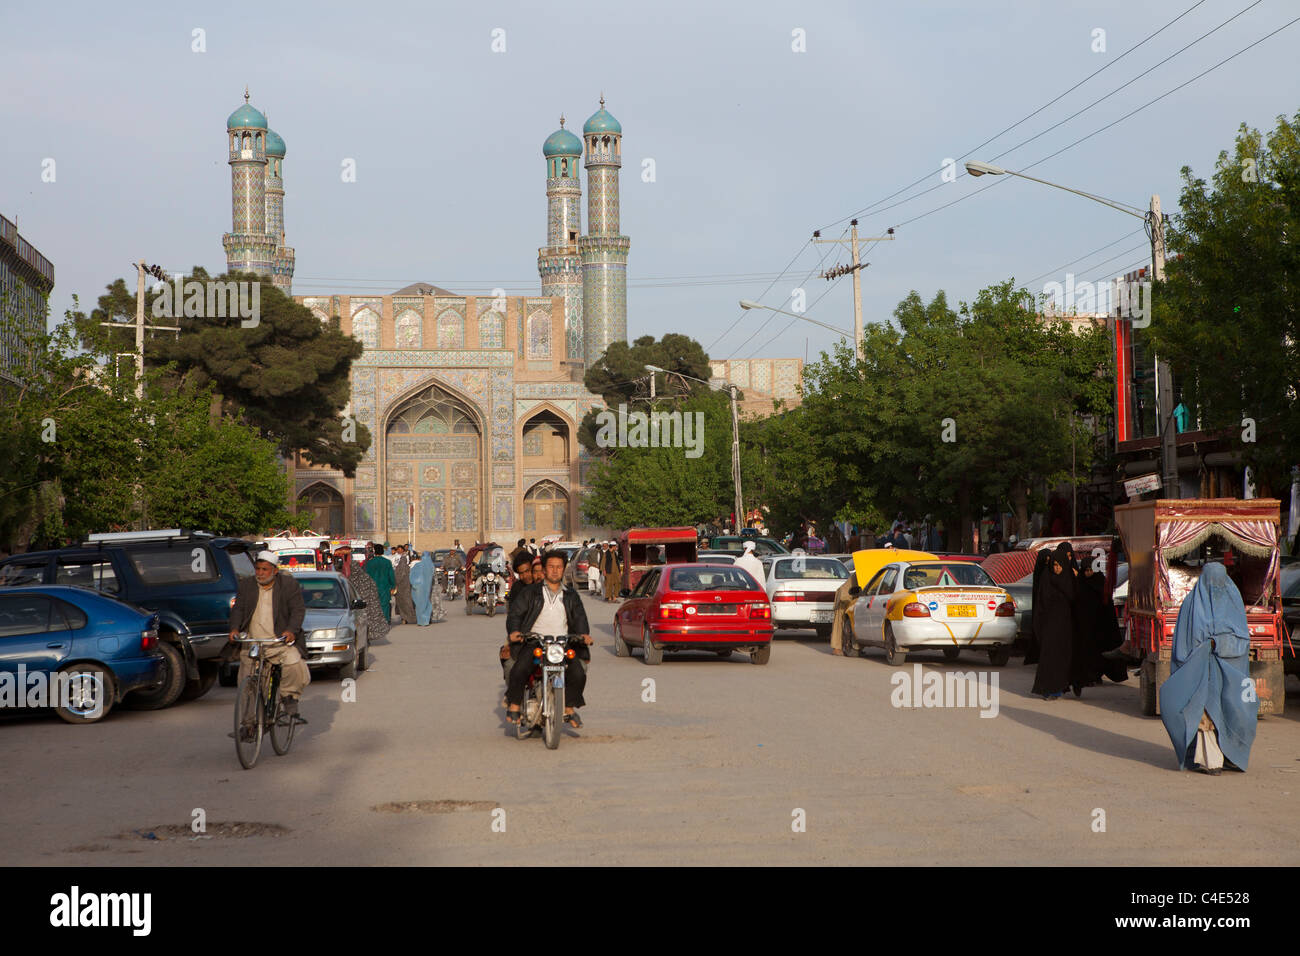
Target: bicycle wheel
<point>249,718</point>
<point>282,726</point>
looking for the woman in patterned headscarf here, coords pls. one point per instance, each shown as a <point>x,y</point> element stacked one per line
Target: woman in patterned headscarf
<point>364,585</point>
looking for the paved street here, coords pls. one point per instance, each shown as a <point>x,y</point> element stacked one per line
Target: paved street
<point>710,772</point>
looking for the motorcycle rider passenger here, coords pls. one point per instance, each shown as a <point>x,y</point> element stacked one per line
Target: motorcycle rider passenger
<point>548,607</point>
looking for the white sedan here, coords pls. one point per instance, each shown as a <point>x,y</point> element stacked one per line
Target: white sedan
<point>802,591</point>
<point>931,605</point>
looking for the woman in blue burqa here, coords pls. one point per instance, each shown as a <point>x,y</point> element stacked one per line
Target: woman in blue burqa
<point>421,586</point>
<point>1208,703</point>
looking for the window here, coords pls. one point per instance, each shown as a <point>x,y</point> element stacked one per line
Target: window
<point>66,615</point>
<point>242,563</point>
<point>953,574</point>
<point>17,573</point>
<point>96,573</point>
<point>811,568</point>
<point>174,566</point>
<point>711,579</point>
<point>22,614</point>
<point>888,576</point>
<point>322,593</point>
<point>646,585</point>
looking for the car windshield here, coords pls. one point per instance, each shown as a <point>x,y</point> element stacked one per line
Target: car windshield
<point>825,568</point>
<point>718,578</point>
<point>946,574</point>
<point>322,593</point>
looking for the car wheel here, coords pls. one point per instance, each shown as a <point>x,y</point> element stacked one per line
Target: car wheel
<point>84,695</point>
<point>194,689</point>
<point>848,646</point>
<point>620,646</point>
<point>761,655</point>
<point>348,671</point>
<point>894,655</point>
<point>168,689</point>
<point>999,656</point>
<point>653,655</point>
<point>363,658</point>
<point>950,653</point>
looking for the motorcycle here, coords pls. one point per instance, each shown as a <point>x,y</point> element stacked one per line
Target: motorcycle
<point>543,703</point>
<point>488,591</point>
<point>450,584</point>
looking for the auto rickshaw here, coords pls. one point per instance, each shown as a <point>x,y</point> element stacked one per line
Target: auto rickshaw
<point>1168,542</point>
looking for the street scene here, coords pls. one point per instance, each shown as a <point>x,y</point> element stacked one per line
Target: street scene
<point>717,435</point>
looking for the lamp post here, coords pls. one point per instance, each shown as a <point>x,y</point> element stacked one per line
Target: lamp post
<point>735,434</point>
<point>1164,379</point>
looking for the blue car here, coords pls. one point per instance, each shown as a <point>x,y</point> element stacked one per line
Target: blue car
<point>75,650</point>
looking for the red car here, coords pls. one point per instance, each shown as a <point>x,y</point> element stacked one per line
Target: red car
<point>695,607</point>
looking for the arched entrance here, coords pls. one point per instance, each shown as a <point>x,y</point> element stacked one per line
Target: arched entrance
<point>432,461</point>
<point>546,509</point>
<point>326,506</point>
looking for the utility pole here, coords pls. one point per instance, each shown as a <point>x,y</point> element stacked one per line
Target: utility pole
<point>158,273</point>
<point>1164,374</point>
<point>856,268</point>
<point>735,460</point>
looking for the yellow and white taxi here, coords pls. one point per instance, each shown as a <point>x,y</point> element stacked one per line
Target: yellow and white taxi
<point>931,604</point>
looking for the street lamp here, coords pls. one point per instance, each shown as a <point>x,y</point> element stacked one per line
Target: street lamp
<point>1164,380</point>
<point>750,304</point>
<point>735,436</point>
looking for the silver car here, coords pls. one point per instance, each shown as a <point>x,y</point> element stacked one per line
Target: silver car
<point>802,591</point>
<point>336,630</point>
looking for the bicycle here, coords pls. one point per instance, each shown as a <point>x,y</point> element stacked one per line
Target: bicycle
<point>258,707</point>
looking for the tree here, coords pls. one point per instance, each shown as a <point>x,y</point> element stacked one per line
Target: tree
<point>1225,317</point>
<point>287,375</point>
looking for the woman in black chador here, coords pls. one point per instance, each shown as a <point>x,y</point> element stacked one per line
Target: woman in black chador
<point>1033,643</point>
<point>1054,625</point>
<point>1095,631</point>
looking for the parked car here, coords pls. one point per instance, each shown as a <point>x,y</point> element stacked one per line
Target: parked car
<point>736,545</point>
<point>188,577</point>
<point>717,557</point>
<point>695,607</point>
<point>100,648</point>
<point>802,590</point>
<point>932,605</point>
<point>579,566</point>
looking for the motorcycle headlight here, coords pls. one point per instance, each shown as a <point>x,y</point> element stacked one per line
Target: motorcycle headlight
<point>491,576</point>
<point>554,653</point>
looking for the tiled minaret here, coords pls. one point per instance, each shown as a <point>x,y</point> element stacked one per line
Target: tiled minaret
<point>249,247</point>
<point>283,263</point>
<point>558,261</point>
<point>602,250</point>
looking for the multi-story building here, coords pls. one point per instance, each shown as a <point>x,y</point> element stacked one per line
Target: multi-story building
<point>26,280</point>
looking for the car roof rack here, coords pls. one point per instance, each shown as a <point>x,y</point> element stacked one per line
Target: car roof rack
<point>167,534</point>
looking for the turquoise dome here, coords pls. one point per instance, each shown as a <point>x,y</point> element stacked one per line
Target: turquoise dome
<point>602,122</point>
<point>274,144</point>
<point>246,116</point>
<point>562,143</point>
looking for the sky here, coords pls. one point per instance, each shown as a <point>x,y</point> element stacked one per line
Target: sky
<point>747,126</point>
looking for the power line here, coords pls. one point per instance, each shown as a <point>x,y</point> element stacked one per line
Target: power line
<point>1087,255</point>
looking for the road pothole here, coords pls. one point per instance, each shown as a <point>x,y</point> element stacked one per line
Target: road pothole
<point>433,806</point>
<point>238,830</point>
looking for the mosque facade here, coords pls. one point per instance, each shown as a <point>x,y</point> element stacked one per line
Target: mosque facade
<point>472,401</point>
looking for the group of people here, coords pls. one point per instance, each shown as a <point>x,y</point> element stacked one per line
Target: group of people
<point>398,590</point>
<point>1073,626</point>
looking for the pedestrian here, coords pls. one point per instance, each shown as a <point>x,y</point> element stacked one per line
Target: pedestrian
<point>844,597</point>
<point>1054,624</point>
<point>594,557</point>
<point>324,556</point>
<point>1032,641</point>
<point>521,546</point>
<point>381,572</point>
<point>532,547</point>
<point>425,592</point>
<point>749,562</point>
<point>364,585</point>
<point>1203,705</point>
<point>612,571</point>
<point>1096,630</point>
<point>403,604</point>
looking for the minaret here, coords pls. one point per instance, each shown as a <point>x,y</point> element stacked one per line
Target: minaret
<point>557,261</point>
<point>248,247</point>
<point>283,261</point>
<point>603,251</point>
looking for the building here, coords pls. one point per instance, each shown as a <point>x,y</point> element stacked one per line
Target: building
<point>472,400</point>
<point>26,280</point>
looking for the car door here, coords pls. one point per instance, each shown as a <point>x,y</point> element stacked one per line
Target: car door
<point>868,626</point>
<point>33,633</point>
<point>632,614</point>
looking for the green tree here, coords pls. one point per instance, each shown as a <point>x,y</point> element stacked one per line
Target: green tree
<point>1226,316</point>
<point>286,375</point>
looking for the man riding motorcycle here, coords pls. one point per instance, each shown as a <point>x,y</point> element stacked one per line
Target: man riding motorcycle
<point>523,566</point>
<point>548,607</point>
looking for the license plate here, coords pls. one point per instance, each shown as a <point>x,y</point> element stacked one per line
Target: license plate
<point>717,609</point>
<point>961,610</point>
<point>820,617</point>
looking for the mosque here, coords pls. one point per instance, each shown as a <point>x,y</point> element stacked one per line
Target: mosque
<point>472,401</point>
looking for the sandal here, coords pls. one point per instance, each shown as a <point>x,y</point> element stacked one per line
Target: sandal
<point>573,719</point>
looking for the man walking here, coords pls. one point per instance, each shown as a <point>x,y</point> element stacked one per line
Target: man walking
<point>612,571</point>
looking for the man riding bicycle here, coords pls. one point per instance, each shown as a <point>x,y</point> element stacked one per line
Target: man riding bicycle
<point>548,607</point>
<point>267,606</point>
